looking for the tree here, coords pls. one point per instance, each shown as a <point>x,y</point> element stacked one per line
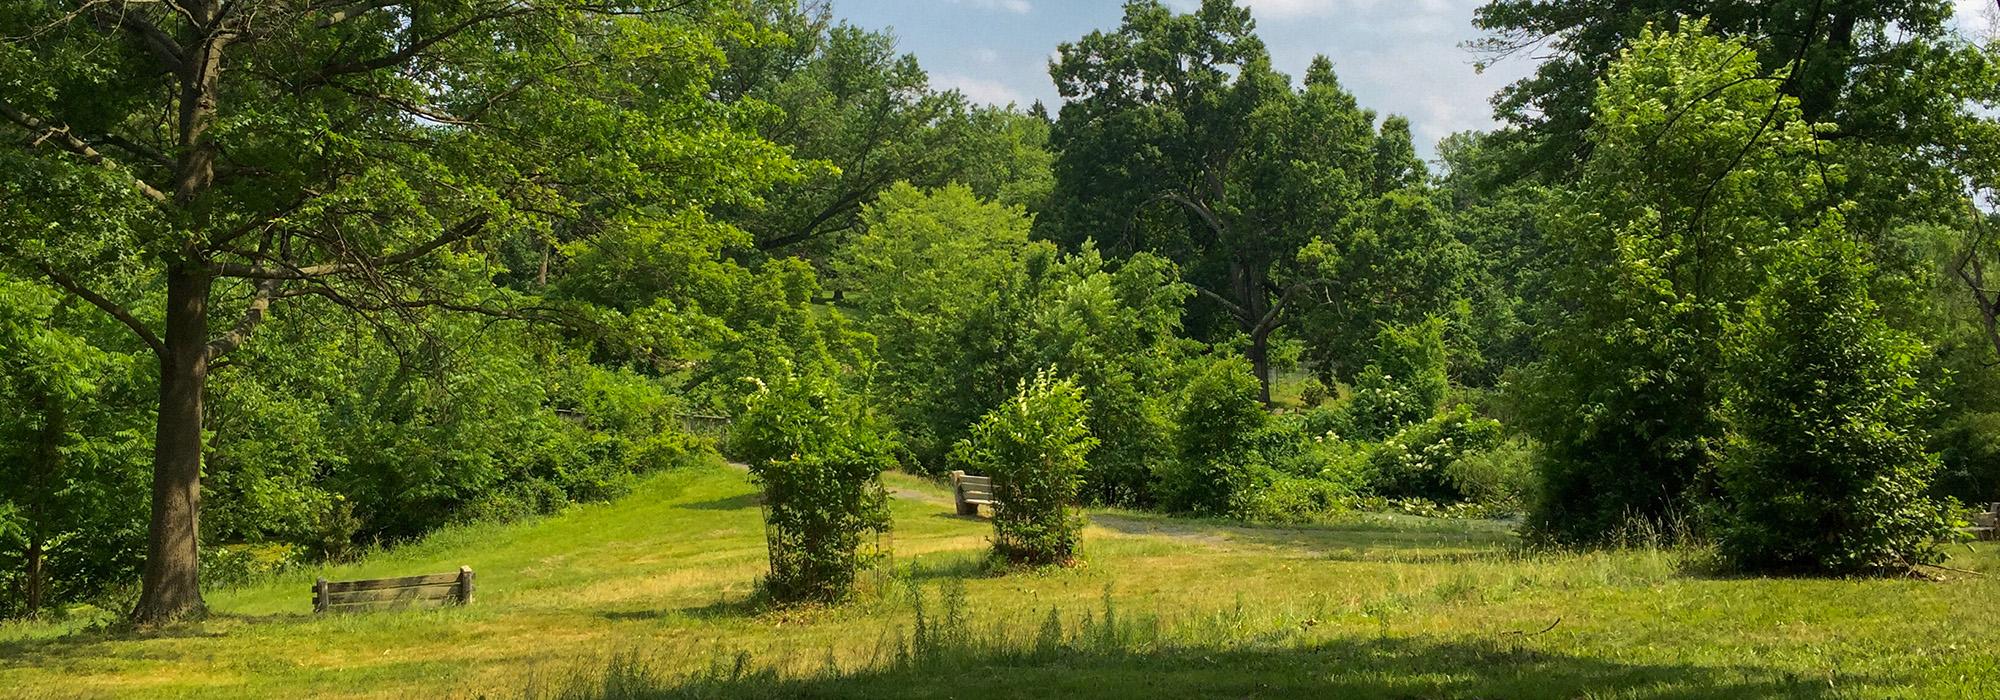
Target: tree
<point>1661,243</point>
<point>246,155</point>
<point>1887,72</point>
<point>845,99</point>
<point>67,485</point>
<point>1178,138</point>
<point>1827,471</point>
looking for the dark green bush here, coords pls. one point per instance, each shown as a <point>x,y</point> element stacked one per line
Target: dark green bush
<point>1035,446</point>
<point>1217,461</point>
<point>1826,470</point>
<point>820,461</point>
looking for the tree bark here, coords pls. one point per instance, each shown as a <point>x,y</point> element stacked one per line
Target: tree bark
<point>1260,360</point>
<point>171,585</point>
<point>55,423</point>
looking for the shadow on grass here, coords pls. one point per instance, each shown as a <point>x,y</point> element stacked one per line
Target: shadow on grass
<point>739,502</point>
<point>1448,543</point>
<point>1348,668</point>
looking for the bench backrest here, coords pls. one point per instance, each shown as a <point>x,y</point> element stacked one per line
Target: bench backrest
<point>429,589</point>
<point>978,488</point>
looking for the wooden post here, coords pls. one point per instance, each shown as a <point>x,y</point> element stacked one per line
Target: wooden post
<point>464,585</point>
<point>319,596</point>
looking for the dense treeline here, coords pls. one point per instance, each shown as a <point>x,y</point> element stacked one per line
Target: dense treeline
<point>281,281</point>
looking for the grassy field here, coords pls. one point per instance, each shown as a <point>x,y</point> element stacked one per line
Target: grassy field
<point>648,596</point>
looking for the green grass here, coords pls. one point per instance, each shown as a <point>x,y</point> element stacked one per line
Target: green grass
<point>649,596</point>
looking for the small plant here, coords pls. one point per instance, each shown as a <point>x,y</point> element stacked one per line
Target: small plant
<point>820,464</point>
<point>1035,447</point>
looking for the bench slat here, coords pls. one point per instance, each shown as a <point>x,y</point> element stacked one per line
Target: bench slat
<point>392,605</point>
<point>382,583</point>
<point>390,595</point>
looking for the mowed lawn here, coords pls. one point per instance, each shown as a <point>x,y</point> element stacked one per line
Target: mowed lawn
<point>655,586</point>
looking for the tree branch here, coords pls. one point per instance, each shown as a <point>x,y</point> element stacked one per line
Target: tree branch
<point>1234,308</point>
<point>464,230</point>
<point>260,306</point>
<point>123,315</point>
<point>69,142</point>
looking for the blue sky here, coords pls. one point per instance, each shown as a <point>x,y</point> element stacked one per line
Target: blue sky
<point>1398,56</point>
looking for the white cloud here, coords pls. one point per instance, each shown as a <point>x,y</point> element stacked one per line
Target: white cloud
<point>1019,7</point>
<point>992,92</point>
<point>1977,18</point>
<point>986,57</point>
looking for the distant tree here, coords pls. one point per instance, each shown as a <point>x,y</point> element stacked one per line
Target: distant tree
<point>243,155</point>
<point>1178,138</point>
<point>844,99</point>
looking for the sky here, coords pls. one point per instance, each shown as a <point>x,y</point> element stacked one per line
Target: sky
<point>1397,56</point>
<point>1401,57</point>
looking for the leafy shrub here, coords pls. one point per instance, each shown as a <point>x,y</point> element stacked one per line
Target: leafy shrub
<point>1219,418</point>
<point>1404,385</point>
<point>1295,499</point>
<point>1035,447</point>
<point>1313,392</point>
<point>1501,478</point>
<point>1969,449</point>
<point>1826,470</point>
<point>1415,462</point>
<point>820,462</point>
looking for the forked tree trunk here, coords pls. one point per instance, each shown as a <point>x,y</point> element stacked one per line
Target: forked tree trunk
<point>171,586</point>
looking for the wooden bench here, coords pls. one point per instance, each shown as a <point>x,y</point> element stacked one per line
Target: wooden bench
<point>353,596</point>
<point>1986,525</point>
<point>970,492</point>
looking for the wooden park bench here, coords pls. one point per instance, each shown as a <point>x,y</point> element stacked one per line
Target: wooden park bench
<point>353,596</point>
<point>1986,526</point>
<point>970,492</point>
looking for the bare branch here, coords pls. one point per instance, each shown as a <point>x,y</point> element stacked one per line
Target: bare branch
<point>260,306</point>
<point>1234,308</point>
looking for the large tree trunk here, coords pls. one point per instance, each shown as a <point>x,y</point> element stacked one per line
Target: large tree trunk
<point>1260,360</point>
<point>171,587</point>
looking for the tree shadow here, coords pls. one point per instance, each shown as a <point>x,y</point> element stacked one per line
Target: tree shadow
<point>1358,542</point>
<point>737,502</point>
<point>1342,668</point>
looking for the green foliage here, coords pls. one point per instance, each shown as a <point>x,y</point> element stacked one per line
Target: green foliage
<point>1501,478</point>
<point>867,117</point>
<point>965,309</point>
<point>1405,384</point>
<point>1300,197</point>
<point>1216,462</point>
<point>1660,245</point>
<point>1036,447</point>
<point>1827,471</point>
<point>1422,460</point>
<point>72,493</point>
<point>819,461</point>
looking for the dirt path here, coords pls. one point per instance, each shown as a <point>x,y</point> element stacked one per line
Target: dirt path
<point>1123,525</point>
